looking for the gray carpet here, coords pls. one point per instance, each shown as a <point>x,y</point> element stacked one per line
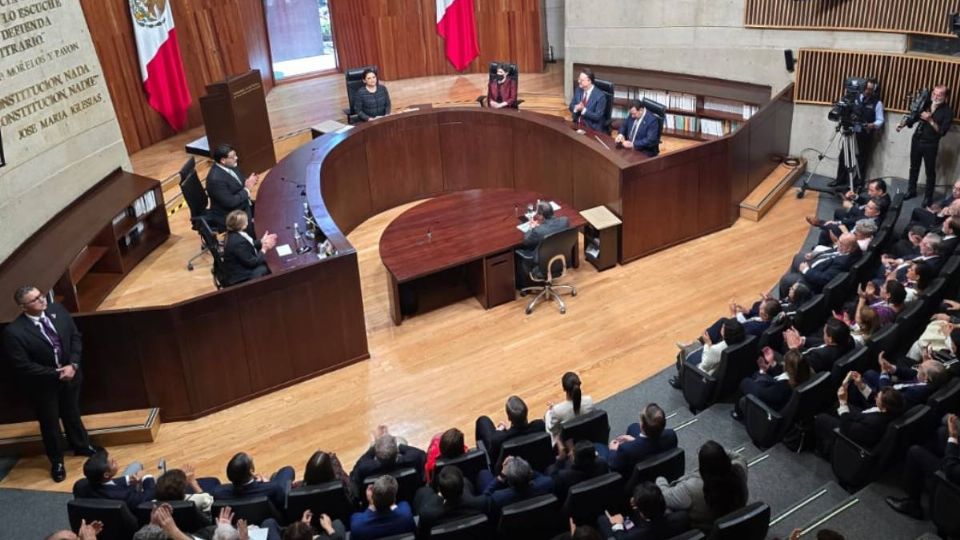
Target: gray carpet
<point>32,515</point>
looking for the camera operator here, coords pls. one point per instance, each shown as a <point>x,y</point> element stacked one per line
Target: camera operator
<point>869,122</point>
<point>933,125</point>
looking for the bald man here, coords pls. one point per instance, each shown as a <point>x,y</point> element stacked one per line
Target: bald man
<point>817,273</point>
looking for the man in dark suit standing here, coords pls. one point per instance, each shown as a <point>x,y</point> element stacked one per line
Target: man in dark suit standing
<point>589,103</point>
<point>648,437</point>
<point>228,189</point>
<point>641,130</point>
<point>43,347</point>
<point>542,225</point>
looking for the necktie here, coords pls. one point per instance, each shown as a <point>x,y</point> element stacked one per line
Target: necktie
<point>583,103</point>
<point>633,132</point>
<point>51,334</point>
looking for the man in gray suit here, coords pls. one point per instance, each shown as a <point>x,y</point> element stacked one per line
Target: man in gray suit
<point>543,224</point>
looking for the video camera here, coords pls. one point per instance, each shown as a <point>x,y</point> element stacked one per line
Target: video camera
<point>848,111</point>
<point>921,100</point>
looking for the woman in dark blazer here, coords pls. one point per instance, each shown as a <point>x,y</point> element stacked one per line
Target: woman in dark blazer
<point>372,99</point>
<point>243,257</point>
<point>776,391</point>
<point>502,91</point>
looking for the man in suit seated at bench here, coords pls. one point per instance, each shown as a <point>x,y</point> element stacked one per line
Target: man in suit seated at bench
<point>245,482</point>
<point>641,130</point>
<point>543,224</point>
<point>643,439</point>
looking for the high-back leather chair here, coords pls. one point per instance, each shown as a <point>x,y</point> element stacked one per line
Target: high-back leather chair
<point>185,514</point>
<point>533,519</point>
<point>670,465</point>
<point>354,81</point>
<point>593,426</point>
<point>749,523</point>
<point>328,498</point>
<point>767,426</point>
<point>607,88</point>
<point>811,315</point>
<point>587,500</point>
<point>469,528</point>
<point>535,448</point>
<point>212,246</point>
<point>701,389</point>
<point>470,464</point>
<point>944,505</point>
<point>196,198</point>
<point>118,521</point>
<point>408,482</point>
<point>552,254</point>
<point>253,509</point>
<point>513,73</point>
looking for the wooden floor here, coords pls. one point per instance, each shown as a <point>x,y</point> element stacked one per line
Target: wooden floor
<point>446,367</point>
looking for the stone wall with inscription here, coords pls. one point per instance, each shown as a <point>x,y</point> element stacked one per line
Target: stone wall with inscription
<point>58,128</point>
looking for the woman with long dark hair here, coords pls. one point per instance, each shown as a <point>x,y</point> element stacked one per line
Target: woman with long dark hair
<point>574,405</point>
<point>716,489</point>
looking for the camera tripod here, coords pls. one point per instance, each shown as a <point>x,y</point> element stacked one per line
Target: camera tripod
<point>848,152</point>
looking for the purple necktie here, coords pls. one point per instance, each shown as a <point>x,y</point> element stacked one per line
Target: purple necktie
<point>51,334</point>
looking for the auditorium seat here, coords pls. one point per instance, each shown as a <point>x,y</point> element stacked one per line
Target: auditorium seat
<point>253,509</point>
<point>535,448</point>
<point>767,426</point>
<point>587,500</point>
<point>470,464</point>
<point>593,426</point>
<point>856,466</point>
<point>811,315</point>
<point>468,528</point>
<point>855,360</point>
<point>838,289</point>
<point>749,523</point>
<point>408,482</point>
<point>670,465</point>
<point>538,518</point>
<point>773,336</point>
<point>185,514</point>
<point>736,362</point>
<point>690,535</point>
<point>118,522</point>
<point>946,399</point>
<point>328,498</point>
<point>943,506</point>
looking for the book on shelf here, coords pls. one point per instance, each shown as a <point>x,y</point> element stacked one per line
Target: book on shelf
<point>728,106</point>
<point>671,100</point>
<point>682,122</point>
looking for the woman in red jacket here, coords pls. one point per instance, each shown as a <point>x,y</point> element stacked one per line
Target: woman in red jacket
<point>503,90</point>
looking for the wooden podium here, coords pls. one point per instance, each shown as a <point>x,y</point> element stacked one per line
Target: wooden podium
<point>235,112</point>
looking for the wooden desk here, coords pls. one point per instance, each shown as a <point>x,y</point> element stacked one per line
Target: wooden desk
<point>474,230</point>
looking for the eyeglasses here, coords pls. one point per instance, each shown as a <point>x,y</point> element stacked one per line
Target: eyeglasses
<point>39,297</point>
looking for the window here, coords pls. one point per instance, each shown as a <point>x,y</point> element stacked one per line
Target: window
<point>301,38</point>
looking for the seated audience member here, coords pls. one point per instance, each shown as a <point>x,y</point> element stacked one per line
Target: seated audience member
<point>821,353</point>
<point>707,356</point>
<point>648,515</point>
<point>951,237</point>
<point>865,427</point>
<point>228,189</point>
<point>574,404</point>
<point>516,482</point>
<point>887,301</point>
<point>502,91</point>
<point>453,500</point>
<point>932,216</point>
<point>939,339</point>
<point>385,516</point>
<point>87,531</point>
<point>717,488</point>
<point>527,256</point>
<point>579,532</point>
<point>575,463</point>
<point>245,482</point>
<point>162,526</point>
<point>385,455</point>
<point>918,278</point>
<point>892,268</point>
<point>182,485</point>
<point>921,464</point>
<point>909,247</point>
<point>225,530</point>
<point>323,467</point>
<point>853,204</point>
<point>820,270</point>
<point>447,445</point>
<point>864,326</point>
<point>493,438</point>
<point>915,385</point>
<point>640,131</point>
<point>754,323</point>
<point>302,530</point>
<point>372,100</point>
<point>864,232</point>
<point>831,231</point>
<point>773,391</point>
<point>133,486</point>
<point>643,439</point>
<point>589,103</point>
<point>243,257</point>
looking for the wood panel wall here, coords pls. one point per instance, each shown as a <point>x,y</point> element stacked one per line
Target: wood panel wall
<point>820,75</point>
<point>400,36</point>
<point>217,38</point>
<point>898,16</point>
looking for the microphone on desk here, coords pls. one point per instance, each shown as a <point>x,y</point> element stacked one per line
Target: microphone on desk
<point>430,231</point>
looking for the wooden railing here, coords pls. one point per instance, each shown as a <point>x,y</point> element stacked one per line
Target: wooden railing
<point>928,17</point>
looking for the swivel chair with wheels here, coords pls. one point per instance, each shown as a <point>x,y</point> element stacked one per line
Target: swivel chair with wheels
<point>552,256</point>
<point>513,73</point>
<point>354,80</point>
<point>197,201</point>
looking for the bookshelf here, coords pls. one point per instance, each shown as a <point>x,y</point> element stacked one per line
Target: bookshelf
<point>136,229</point>
<point>700,108</point>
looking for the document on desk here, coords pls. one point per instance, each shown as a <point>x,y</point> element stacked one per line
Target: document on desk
<point>524,227</point>
<point>284,250</point>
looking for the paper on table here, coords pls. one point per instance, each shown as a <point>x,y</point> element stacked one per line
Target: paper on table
<point>284,250</point>
<point>555,206</point>
<point>524,227</point>
<point>257,534</point>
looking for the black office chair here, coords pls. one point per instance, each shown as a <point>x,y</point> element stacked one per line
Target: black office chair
<point>552,255</point>
<point>513,73</point>
<point>837,290</point>
<point>354,81</point>
<point>469,528</point>
<point>670,465</point>
<point>538,518</point>
<point>659,111</point>
<point>212,246</point>
<point>767,426</point>
<point>470,464</point>
<point>196,198</point>
<point>328,498</point>
<point>695,534</point>
<point>587,500</point>
<point>118,522</point>
<point>944,505</point>
<point>607,88</point>
<point>701,389</point>
<point>749,523</point>
<point>811,315</point>
<point>946,399</point>
<point>593,426</point>
<point>535,448</point>
<point>253,509</point>
<point>186,515</point>
<point>408,482</point>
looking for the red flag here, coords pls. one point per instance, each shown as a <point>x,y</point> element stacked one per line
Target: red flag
<point>160,65</point>
<point>457,25</point>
